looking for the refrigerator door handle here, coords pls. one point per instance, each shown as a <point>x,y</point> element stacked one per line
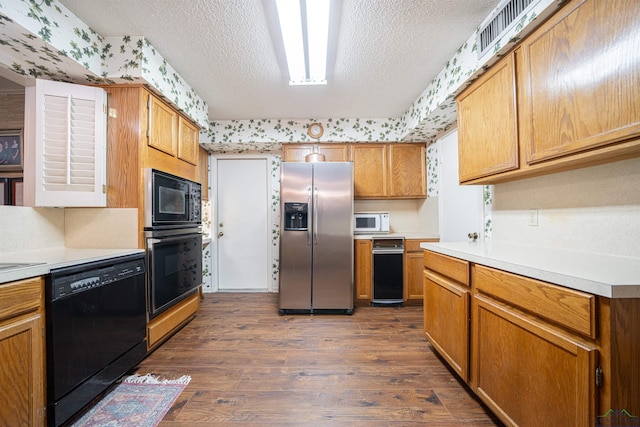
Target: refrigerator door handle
<point>315,216</point>
<point>312,213</point>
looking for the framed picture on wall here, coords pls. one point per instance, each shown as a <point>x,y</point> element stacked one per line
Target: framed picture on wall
<point>11,150</point>
<point>5,192</point>
<point>16,192</point>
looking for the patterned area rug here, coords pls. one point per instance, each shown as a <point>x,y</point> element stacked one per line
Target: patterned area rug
<point>137,400</point>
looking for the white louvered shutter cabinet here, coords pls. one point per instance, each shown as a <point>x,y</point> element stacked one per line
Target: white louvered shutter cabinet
<point>65,145</point>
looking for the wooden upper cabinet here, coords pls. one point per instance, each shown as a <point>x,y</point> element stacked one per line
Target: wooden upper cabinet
<point>295,152</point>
<point>407,176</point>
<point>333,152</point>
<point>581,78</point>
<point>188,138</point>
<point>162,128</point>
<point>487,123</point>
<point>566,97</point>
<point>369,170</point>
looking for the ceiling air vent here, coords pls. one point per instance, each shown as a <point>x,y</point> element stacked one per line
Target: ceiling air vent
<point>499,22</point>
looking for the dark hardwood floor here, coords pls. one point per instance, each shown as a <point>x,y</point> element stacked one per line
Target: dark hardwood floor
<point>250,366</point>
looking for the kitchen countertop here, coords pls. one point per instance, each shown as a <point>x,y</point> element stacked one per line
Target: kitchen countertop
<point>51,258</point>
<point>605,275</point>
<point>408,235</point>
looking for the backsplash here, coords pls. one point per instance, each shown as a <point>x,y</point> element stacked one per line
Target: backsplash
<point>595,209</point>
<point>25,228</point>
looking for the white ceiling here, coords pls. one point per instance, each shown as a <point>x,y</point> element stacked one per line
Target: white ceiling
<point>387,52</point>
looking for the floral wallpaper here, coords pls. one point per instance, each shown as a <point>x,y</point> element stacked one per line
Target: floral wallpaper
<point>237,136</point>
<point>43,39</point>
<point>434,112</point>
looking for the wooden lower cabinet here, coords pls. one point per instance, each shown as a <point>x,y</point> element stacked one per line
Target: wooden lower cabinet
<point>446,320</point>
<point>413,267</point>
<point>530,374</point>
<point>536,353</point>
<point>22,367</point>
<point>362,273</point>
<point>165,325</point>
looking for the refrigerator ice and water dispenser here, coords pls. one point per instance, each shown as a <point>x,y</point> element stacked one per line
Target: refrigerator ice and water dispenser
<point>296,215</point>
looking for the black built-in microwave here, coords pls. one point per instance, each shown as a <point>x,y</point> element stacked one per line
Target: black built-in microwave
<point>171,201</point>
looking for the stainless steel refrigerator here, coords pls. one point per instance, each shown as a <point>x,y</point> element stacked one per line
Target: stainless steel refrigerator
<point>316,237</point>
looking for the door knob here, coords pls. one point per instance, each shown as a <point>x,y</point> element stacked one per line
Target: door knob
<point>220,234</point>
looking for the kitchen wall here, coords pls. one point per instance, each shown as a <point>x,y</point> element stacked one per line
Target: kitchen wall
<point>25,228</point>
<point>595,209</point>
<point>405,216</point>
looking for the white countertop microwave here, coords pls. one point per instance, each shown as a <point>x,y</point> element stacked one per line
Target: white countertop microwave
<point>371,222</point>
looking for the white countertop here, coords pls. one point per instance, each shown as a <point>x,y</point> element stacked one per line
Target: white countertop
<point>51,258</point>
<point>396,235</point>
<point>605,275</point>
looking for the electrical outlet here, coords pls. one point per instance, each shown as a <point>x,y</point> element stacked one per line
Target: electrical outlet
<point>533,217</point>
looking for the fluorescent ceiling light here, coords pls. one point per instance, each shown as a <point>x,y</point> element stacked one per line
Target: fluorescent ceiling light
<point>305,33</point>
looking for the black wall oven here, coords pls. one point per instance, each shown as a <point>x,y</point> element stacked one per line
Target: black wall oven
<point>173,239</point>
<point>175,266</point>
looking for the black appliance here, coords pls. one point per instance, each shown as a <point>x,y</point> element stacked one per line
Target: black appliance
<point>171,201</point>
<point>388,271</point>
<point>96,330</point>
<point>173,236</point>
<point>174,266</point>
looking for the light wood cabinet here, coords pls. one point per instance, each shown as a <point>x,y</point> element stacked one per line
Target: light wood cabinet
<point>447,308</point>
<point>333,152</point>
<point>142,133</point>
<point>370,171</point>
<point>187,141</point>
<point>407,177</point>
<point>574,353</point>
<point>515,316</point>
<point>22,371</point>
<point>363,275</point>
<point>581,79</point>
<point>413,268</point>
<point>487,126</point>
<point>573,98</point>
<point>162,126</point>
<point>380,171</point>
<point>395,171</point>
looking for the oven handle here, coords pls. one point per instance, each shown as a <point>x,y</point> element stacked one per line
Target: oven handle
<point>387,251</point>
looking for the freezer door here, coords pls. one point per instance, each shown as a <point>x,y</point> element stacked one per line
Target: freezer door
<point>295,244</point>
<point>332,219</point>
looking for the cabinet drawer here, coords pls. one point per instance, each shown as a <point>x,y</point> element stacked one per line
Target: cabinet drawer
<point>454,268</point>
<point>20,297</point>
<point>413,245</point>
<point>568,308</point>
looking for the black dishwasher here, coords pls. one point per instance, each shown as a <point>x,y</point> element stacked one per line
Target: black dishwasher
<point>96,330</point>
<point>388,271</point>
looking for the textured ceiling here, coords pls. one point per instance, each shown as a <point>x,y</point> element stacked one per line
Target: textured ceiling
<point>386,52</point>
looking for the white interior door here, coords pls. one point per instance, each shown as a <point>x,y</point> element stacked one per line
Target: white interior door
<point>461,210</point>
<point>242,223</point>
